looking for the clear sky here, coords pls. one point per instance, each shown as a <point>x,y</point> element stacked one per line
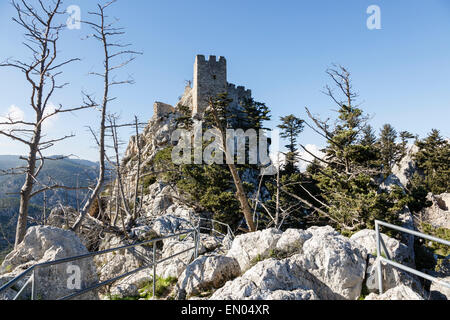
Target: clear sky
<point>279,49</point>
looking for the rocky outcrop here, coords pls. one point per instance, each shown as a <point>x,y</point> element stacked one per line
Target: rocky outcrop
<point>397,250</point>
<point>328,266</point>
<point>335,260</point>
<point>405,169</point>
<point>438,214</point>
<point>272,278</point>
<point>129,286</point>
<point>398,293</point>
<point>42,244</point>
<point>252,246</point>
<point>115,263</point>
<point>292,241</point>
<point>439,291</point>
<point>206,273</point>
<point>392,277</point>
<point>174,267</point>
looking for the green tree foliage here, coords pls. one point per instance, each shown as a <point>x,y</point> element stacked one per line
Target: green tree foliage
<point>433,158</point>
<point>390,151</point>
<point>368,136</point>
<point>184,120</point>
<point>291,127</point>
<point>211,187</point>
<point>348,179</point>
<point>254,115</point>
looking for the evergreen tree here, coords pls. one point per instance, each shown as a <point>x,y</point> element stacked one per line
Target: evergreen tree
<point>352,200</point>
<point>291,127</point>
<point>185,117</point>
<point>433,158</point>
<point>390,151</point>
<point>405,136</point>
<point>254,114</point>
<point>369,138</point>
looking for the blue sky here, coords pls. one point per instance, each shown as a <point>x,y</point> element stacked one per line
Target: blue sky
<point>279,49</point>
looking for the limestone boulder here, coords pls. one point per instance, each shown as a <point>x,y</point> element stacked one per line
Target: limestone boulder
<point>170,224</point>
<point>397,250</point>
<point>118,262</point>
<point>292,240</point>
<point>398,293</point>
<point>405,169</point>
<point>43,244</point>
<point>275,279</point>
<point>182,254</point>
<point>392,277</point>
<point>255,245</point>
<point>439,291</point>
<point>438,214</point>
<point>129,286</point>
<point>206,273</point>
<point>336,261</point>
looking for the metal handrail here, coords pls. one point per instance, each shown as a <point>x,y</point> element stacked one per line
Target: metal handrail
<point>33,268</point>
<point>388,260</point>
<point>229,231</point>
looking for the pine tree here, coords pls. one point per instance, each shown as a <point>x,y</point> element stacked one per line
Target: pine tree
<point>351,197</point>
<point>433,159</point>
<point>390,151</point>
<point>369,138</point>
<point>291,127</point>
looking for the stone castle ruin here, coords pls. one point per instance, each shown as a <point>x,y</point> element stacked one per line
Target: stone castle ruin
<point>210,80</point>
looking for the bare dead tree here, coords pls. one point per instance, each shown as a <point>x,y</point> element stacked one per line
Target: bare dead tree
<point>42,34</point>
<point>125,205</point>
<point>104,31</point>
<point>138,173</point>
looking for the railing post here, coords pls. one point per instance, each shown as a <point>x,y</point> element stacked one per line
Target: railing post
<point>379,267</point>
<point>33,285</point>
<point>196,240</point>
<point>154,270</point>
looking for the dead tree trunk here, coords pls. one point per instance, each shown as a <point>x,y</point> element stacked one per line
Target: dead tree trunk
<point>42,35</point>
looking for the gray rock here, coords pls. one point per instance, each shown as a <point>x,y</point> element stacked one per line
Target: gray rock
<point>397,251</point>
<point>398,293</point>
<point>43,244</point>
<point>271,279</point>
<point>404,171</point>
<point>438,214</point>
<point>392,277</point>
<point>115,263</point>
<point>174,267</point>
<point>321,231</point>
<point>170,224</point>
<point>440,292</point>
<point>205,273</point>
<point>336,261</point>
<point>129,286</point>
<point>250,246</point>
<point>292,240</point>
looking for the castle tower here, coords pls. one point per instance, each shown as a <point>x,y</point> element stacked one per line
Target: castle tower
<point>210,79</point>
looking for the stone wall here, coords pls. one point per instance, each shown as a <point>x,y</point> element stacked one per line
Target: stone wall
<point>162,109</point>
<point>210,79</point>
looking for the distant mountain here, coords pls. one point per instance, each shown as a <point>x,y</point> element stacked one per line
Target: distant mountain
<point>67,172</point>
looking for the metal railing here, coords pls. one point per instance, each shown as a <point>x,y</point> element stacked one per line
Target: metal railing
<point>212,228</point>
<point>31,272</point>
<point>388,260</point>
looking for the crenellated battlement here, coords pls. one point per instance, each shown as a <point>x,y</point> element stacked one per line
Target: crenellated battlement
<point>212,59</point>
<point>210,79</point>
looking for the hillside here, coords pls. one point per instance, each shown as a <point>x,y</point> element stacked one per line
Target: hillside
<point>67,172</point>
